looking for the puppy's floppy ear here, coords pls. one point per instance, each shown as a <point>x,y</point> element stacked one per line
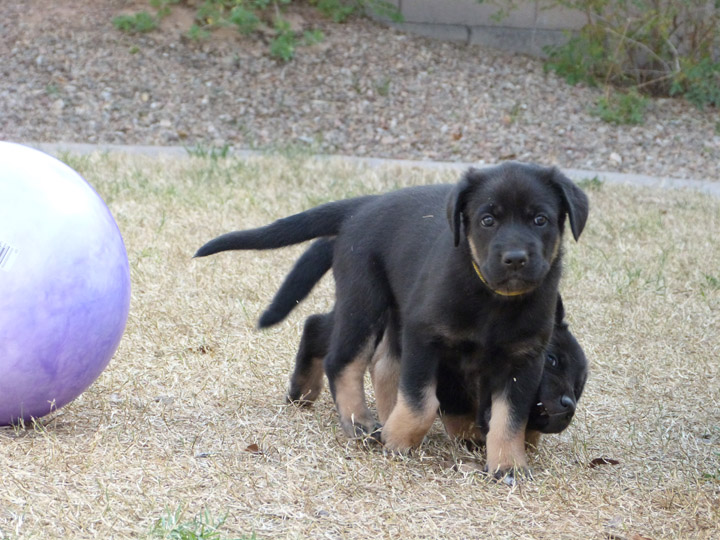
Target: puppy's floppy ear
<point>458,198</point>
<point>560,313</point>
<point>574,200</point>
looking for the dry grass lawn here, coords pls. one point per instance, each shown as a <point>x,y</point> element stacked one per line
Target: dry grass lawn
<point>189,417</point>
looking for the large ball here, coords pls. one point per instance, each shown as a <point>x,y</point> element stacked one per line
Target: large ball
<point>64,284</point>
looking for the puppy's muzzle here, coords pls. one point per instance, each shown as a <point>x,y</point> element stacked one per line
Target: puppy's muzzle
<point>554,417</point>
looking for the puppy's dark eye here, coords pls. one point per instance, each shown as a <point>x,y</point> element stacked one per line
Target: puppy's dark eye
<point>552,360</point>
<point>487,221</point>
<point>540,220</point>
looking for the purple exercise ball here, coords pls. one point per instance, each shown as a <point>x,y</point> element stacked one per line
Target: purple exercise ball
<point>64,284</point>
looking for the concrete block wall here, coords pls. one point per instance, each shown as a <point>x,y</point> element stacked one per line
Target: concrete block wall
<point>526,29</point>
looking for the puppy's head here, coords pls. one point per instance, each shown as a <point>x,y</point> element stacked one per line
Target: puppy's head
<point>562,382</point>
<point>513,217</point>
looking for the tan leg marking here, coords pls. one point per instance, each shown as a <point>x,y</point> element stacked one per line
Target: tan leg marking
<point>350,395</point>
<point>532,439</point>
<point>463,428</point>
<point>311,383</point>
<point>385,373</point>
<point>505,447</point>
<point>406,427</point>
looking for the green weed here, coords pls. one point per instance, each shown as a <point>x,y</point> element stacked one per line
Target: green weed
<point>699,83</point>
<point>341,10</point>
<point>138,23</point>
<point>383,86</point>
<point>196,33</point>
<point>208,151</point>
<point>284,44</point>
<point>622,108</point>
<point>713,282</point>
<point>246,20</point>
<point>591,184</point>
<point>201,527</point>
<point>382,9</point>
<point>578,61</point>
<point>335,9</point>
<point>311,37</point>
<point>162,7</point>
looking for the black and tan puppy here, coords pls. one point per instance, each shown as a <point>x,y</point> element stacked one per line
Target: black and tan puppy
<point>480,294</point>
<point>562,383</point>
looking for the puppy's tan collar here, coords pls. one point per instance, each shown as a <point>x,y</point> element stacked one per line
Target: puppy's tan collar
<point>501,293</point>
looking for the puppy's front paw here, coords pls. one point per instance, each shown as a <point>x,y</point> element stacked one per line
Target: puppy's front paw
<point>361,430</point>
<point>369,438</point>
<point>510,476</point>
<point>302,395</point>
<point>395,445</point>
<point>298,400</point>
<point>407,425</point>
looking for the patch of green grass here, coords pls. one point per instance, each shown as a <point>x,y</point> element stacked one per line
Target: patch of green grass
<point>163,6</point>
<point>699,82</point>
<point>311,37</point>
<point>514,113</point>
<point>578,61</point>
<point>382,9</point>
<point>341,10</point>
<point>201,527</point>
<point>284,44</point>
<point>714,477</point>
<point>383,86</point>
<point>622,108</point>
<point>335,9</point>
<point>196,33</point>
<point>591,184</point>
<point>208,151</point>
<point>712,281</point>
<point>244,19</point>
<point>139,23</point>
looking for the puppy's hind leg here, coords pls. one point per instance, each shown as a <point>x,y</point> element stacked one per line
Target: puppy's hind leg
<point>306,381</point>
<point>345,368</point>
<point>355,329</point>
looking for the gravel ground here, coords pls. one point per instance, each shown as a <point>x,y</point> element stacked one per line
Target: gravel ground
<point>68,76</point>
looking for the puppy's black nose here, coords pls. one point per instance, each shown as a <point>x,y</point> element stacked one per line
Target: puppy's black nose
<point>515,259</point>
<point>567,402</point>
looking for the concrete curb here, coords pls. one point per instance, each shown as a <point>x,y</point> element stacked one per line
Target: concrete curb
<point>701,185</point>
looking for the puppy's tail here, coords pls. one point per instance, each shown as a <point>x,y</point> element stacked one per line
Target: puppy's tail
<point>323,220</point>
<point>307,272</point>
